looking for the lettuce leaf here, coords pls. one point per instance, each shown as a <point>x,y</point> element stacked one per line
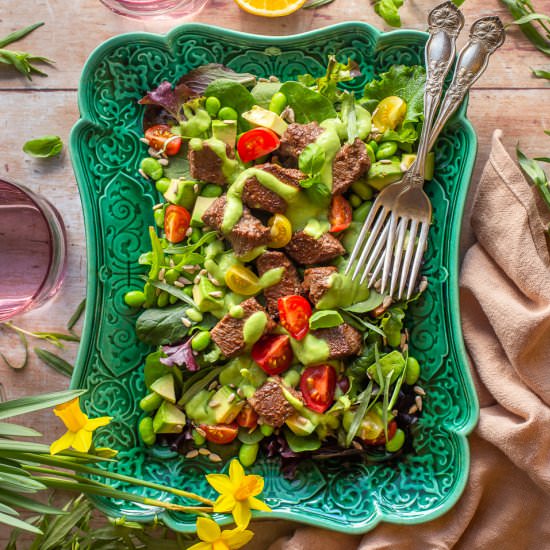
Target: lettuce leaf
<point>388,10</point>
<point>171,99</point>
<point>408,84</point>
<point>200,78</point>
<point>308,105</point>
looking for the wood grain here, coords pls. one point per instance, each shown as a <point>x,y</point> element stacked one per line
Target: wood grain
<point>507,97</point>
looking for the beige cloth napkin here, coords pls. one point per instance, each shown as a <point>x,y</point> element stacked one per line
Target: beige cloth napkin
<point>505,305</point>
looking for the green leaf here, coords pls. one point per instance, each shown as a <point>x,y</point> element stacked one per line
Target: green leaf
<point>20,483</point>
<point>312,159</point>
<point>531,169</point>
<point>530,17</point>
<point>25,405</point>
<point>234,95</point>
<point>75,317</point>
<point>392,324</point>
<point>302,444</point>
<point>360,412</point>
<point>388,10</point>
<point>458,3</point>
<point>308,105</point>
<point>14,430</point>
<point>372,302</point>
<point>314,4</point>
<point>179,166</point>
<point>54,361</point>
<point>18,524</point>
<point>156,326</point>
<point>540,73</point>
<point>264,91</point>
<point>336,72</point>
<point>197,386</point>
<point>174,291</point>
<point>25,361</point>
<point>325,318</point>
<point>43,147</point>
<point>18,35</point>
<point>519,9</point>
<point>20,501</point>
<point>8,510</point>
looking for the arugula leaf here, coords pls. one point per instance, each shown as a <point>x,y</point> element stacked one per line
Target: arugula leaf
<point>388,10</point>
<point>408,84</point>
<point>43,147</point>
<point>308,105</point>
<point>157,326</point>
<point>200,78</point>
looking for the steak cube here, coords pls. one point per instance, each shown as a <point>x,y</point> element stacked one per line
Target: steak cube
<point>271,405</point>
<point>228,333</point>
<point>205,165</point>
<point>297,137</point>
<point>289,283</point>
<point>316,282</point>
<point>343,340</point>
<point>306,250</point>
<point>350,164</point>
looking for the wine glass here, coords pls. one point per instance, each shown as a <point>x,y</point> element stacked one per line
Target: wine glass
<point>161,9</point>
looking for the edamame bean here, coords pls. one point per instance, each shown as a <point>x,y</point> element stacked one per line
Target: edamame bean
<point>248,453</point>
<point>386,150</point>
<point>278,103</point>
<point>412,374</point>
<point>146,431</point>
<point>159,217</point>
<point>396,442</point>
<point>163,298</point>
<point>173,299</point>
<point>373,145</point>
<point>150,295</point>
<point>188,290</point>
<point>151,402</point>
<point>370,153</point>
<point>211,190</point>
<point>201,340</point>
<point>363,189</point>
<point>194,315</point>
<point>152,167</point>
<point>198,438</point>
<point>196,234</point>
<point>212,105</point>
<point>266,429</point>
<point>360,214</point>
<point>134,298</point>
<point>171,275</point>
<point>228,113</point>
<point>355,201</point>
<point>162,185</point>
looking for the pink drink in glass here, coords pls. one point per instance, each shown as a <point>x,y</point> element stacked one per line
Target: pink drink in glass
<point>161,9</point>
<point>32,250</point>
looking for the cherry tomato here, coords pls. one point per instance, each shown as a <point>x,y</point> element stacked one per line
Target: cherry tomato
<point>242,281</point>
<point>256,143</point>
<point>176,223</point>
<point>220,433</point>
<point>380,439</point>
<point>281,231</point>
<point>161,138</point>
<point>389,114</point>
<point>294,313</point>
<point>317,385</point>
<point>248,417</point>
<point>273,353</point>
<point>340,214</point>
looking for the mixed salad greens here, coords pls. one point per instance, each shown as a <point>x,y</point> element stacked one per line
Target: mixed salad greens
<point>261,342</point>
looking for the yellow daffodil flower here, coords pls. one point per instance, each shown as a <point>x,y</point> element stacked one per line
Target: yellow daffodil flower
<point>213,538</point>
<point>79,427</point>
<point>237,493</point>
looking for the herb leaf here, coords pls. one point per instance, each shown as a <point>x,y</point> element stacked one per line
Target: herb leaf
<point>18,35</point>
<point>200,78</point>
<point>43,147</point>
<point>541,73</point>
<point>54,361</point>
<point>521,9</point>
<point>157,326</point>
<point>388,10</point>
<point>77,314</point>
<point>313,4</point>
<point>535,175</point>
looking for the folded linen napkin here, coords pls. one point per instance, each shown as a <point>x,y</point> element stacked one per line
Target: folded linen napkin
<point>505,305</point>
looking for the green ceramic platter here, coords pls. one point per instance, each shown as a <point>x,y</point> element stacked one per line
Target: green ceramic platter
<point>117,203</point>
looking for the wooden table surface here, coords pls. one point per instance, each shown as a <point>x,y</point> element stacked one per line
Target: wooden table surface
<point>507,97</point>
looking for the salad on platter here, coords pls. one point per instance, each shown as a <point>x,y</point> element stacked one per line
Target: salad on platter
<point>261,343</point>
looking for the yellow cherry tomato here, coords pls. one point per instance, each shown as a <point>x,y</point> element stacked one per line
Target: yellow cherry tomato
<point>281,231</point>
<point>389,114</point>
<point>242,281</point>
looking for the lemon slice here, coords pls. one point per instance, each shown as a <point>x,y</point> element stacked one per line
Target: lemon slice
<point>270,8</point>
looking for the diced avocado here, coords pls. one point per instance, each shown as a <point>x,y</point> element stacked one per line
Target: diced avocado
<point>226,404</point>
<point>181,192</point>
<point>165,387</point>
<point>300,425</point>
<point>168,419</point>
<point>391,361</point>
<point>203,298</point>
<point>197,408</point>
<point>258,116</point>
<point>408,159</point>
<point>225,130</point>
<point>201,206</point>
<point>381,174</point>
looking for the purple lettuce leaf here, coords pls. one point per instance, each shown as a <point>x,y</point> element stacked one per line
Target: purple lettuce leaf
<point>180,355</point>
<point>198,79</point>
<point>171,99</point>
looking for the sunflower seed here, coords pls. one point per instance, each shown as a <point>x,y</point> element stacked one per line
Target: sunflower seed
<point>357,445</point>
<point>213,385</point>
<point>162,273</point>
<point>216,294</point>
<point>153,152</point>
<point>184,281</point>
<point>197,279</point>
<point>203,272</point>
<point>384,161</point>
<point>201,432</point>
<point>143,174</point>
<point>157,291</point>
<point>186,322</point>
<point>213,280</point>
<point>418,401</point>
<point>213,457</point>
<point>188,267</point>
<point>164,162</point>
<point>419,390</point>
<point>192,454</point>
<point>189,232</point>
<point>213,404</point>
<point>144,140</point>
<point>378,284</point>
<point>158,206</point>
<point>423,285</point>
<point>240,392</point>
<point>172,264</point>
<point>204,451</point>
<point>231,398</point>
<point>273,78</point>
<point>179,284</point>
<point>386,303</point>
<point>196,188</point>
<point>413,409</point>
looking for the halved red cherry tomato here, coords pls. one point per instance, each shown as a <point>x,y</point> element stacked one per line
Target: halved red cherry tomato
<point>294,313</point>
<point>273,353</point>
<point>176,223</point>
<point>381,439</point>
<point>248,417</point>
<point>340,214</point>
<point>161,138</point>
<point>220,433</point>
<point>317,385</point>
<point>256,143</point>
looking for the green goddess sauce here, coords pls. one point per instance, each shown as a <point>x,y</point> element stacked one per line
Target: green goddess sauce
<point>272,277</point>
<point>310,350</point>
<point>254,327</point>
<point>230,167</point>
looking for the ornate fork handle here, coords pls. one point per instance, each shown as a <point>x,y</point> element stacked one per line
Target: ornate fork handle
<point>486,35</point>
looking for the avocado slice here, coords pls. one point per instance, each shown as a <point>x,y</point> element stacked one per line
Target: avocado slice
<point>226,404</point>
<point>168,419</point>
<point>201,206</point>
<point>300,425</point>
<point>181,192</point>
<point>381,174</point>
<point>225,130</point>
<point>408,158</point>
<point>165,387</point>
<point>202,297</point>
<point>258,116</point>
<point>197,408</point>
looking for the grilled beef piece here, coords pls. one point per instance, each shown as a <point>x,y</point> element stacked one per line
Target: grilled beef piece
<point>297,137</point>
<point>309,251</point>
<point>205,165</point>
<point>271,405</point>
<point>289,283</point>
<point>255,195</point>
<point>316,282</point>
<point>228,333</point>
<point>342,340</point>
<point>350,163</point>
<point>246,234</point>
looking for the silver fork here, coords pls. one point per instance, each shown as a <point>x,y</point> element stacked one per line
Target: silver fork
<point>404,207</point>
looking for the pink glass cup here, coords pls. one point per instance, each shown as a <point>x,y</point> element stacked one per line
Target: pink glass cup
<point>160,9</point>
